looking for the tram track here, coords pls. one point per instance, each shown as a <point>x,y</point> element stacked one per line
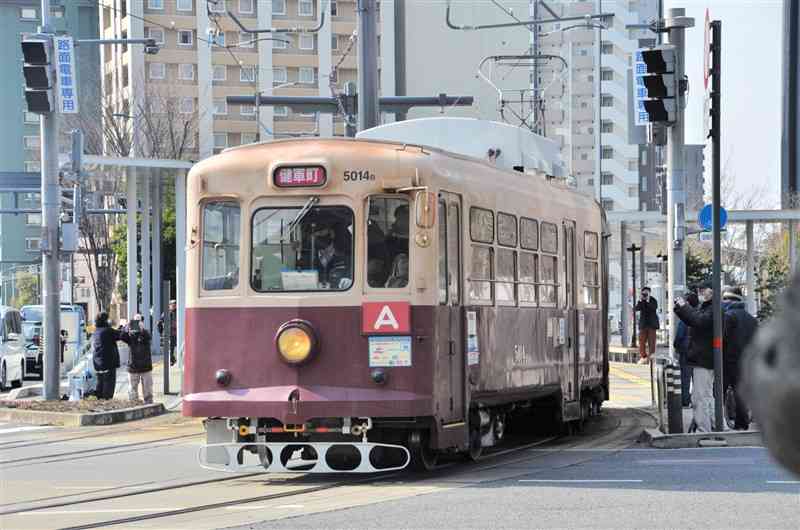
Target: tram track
<point>618,433</point>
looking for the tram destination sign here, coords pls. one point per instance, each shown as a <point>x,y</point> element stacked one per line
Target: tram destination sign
<point>300,176</point>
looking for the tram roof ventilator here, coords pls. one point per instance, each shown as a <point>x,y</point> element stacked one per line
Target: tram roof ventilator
<point>519,149</point>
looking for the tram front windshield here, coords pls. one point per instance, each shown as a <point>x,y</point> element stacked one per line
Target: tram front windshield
<point>302,249</point>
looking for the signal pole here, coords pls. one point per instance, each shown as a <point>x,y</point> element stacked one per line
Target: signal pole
<point>676,24</point>
<point>50,261</point>
<point>633,249</point>
<point>368,113</point>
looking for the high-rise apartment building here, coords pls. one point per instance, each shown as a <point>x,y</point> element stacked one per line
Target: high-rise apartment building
<point>204,57</point>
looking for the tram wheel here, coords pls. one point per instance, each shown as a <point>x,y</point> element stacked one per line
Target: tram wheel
<point>475,446</point>
<point>423,457</point>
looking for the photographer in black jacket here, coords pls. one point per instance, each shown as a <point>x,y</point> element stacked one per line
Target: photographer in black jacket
<point>105,356</point>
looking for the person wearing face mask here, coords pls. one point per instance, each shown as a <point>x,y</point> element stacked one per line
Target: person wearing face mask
<point>700,354</point>
<point>648,326</point>
<point>334,263</point>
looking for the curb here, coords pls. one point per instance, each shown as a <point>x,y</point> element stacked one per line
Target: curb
<point>658,440</point>
<point>75,419</point>
<point>33,391</point>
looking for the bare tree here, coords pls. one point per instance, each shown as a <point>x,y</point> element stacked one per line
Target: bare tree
<point>160,130</point>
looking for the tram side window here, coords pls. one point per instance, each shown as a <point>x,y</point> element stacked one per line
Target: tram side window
<point>548,290</point>
<point>480,281</point>
<point>528,277</point>
<point>387,242</point>
<point>506,265</point>
<point>591,270</point>
<point>529,233</point>
<point>302,248</point>
<point>221,240</point>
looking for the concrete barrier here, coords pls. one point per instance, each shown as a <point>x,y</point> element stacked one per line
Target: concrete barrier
<point>658,440</point>
<point>80,419</point>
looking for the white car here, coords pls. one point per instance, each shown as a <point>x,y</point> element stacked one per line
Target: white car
<point>12,348</point>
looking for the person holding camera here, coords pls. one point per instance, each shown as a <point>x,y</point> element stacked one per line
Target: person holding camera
<point>140,362</point>
<point>648,325</point>
<point>105,356</point>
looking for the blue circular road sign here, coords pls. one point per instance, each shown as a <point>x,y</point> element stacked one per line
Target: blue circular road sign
<point>704,218</point>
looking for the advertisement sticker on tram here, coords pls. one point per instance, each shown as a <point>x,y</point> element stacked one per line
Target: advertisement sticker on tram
<point>473,351</point>
<point>387,352</point>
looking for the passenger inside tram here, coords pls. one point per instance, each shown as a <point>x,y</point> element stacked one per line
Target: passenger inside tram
<point>387,242</point>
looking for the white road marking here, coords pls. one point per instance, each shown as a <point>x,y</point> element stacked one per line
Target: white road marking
<point>85,512</point>
<point>100,487</point>
<point>670,461</point>
<point>579,481</point>
<point>25,429</point>
<point>783,482</point>
<point>293,506</point>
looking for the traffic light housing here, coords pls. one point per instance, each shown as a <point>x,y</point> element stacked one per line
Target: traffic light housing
<point>657,85</point>
<point>38,72</point>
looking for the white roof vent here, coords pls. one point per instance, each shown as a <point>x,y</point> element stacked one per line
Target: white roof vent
<point>506,146</point>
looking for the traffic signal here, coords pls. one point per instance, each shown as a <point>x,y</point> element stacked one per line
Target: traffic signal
<point>38,72</point>
<point>657,85</point>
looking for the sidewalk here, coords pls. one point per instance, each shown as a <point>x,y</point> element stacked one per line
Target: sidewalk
<point>170,401</point>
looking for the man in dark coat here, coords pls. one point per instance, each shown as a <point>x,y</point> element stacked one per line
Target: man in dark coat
<point>648,325</point>
<point>140,362</point>
<point>105,356</point>
<point>700,354</point>
<point>682,347</point>
<point>740,327</point>
<point>173,329</point>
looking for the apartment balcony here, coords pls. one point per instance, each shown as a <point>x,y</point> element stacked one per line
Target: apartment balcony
<point>583,166</point>
<point>295,60</point>
<point>582,140</point>
<point>555,90</point>
<point>183,22</point>
<point>582,36</point>
<point>620,171</point>
<point>582,88</point>
<point>343,27</point>
<point>586,114</point>
<point>616,63</point>
<point>618,140</point>
<point>583,61</point>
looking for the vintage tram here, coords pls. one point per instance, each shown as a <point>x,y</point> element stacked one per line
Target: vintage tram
<point>359,305</point>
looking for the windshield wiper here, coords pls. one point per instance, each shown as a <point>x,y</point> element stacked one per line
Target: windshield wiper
<point>310,203</point>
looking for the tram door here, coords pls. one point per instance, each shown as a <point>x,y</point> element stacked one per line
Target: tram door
<point>571,312</point>
<point>450,321</point>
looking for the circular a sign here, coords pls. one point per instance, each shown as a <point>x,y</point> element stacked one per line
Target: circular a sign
<point>707,50</point>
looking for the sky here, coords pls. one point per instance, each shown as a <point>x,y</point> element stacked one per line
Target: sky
<point>751,91</point>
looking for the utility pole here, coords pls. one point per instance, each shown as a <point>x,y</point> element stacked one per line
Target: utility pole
<point>368,110</point>
<point>716,274</point>
<point>676,24</point>
<point>633,249</point>
<point>48,125</point>
<point>533,11</point>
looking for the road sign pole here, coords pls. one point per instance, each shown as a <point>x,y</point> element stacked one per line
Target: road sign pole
<point>676,23</point>
<point>716,85</point>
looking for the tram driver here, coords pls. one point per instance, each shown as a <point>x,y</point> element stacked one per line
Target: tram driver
<point>332,258</point>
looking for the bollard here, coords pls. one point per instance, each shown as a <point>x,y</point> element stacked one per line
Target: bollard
<point>660,393</point>
<point>674,400</point>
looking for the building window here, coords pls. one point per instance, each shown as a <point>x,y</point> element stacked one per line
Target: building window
<point>33,166</point>
<point>185,38</point>
<point>584,156</point>
<point>220,140</point>
<point>217,6</point>
<point>608,205</point>
<point>607,178</point>
<point>32,244</point>
<point>247,110</point>
<point>187,105</point>
<point>334,42</point>
<point>305,8</point>
<point>246,6</point>
<point>606,74</point>
<point>606,101</point>
<point>590,182</point>
<point>31,117</point>
<point>247,74</point>
<point>278,7</point>
<point>607,126</point>
<point>334,8</point>
<point>219,39</point>
<point>306,75</point>
<point>306,41</point>
<point>281,112</point>
<point>279,75</point>
<point>186,72</point>
<point>583,52</point>
<point>246,41</point>
<point>157,70</point>
<point>155,4</point>
<point>644,184</point>
<point>157,34</point>
<point>220,72</point>
<point>249,138</point>
<point>607,153</point>
<point>220,106</point>
<point>633,191</point>
<point>282,43</point>
<point>33,219</point>
<point>28,13</point>
<point>31,142</point>
<point>607,48</point>
<point>184,5</point>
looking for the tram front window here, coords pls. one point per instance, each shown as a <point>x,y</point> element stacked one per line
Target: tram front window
<point>297,249</point>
